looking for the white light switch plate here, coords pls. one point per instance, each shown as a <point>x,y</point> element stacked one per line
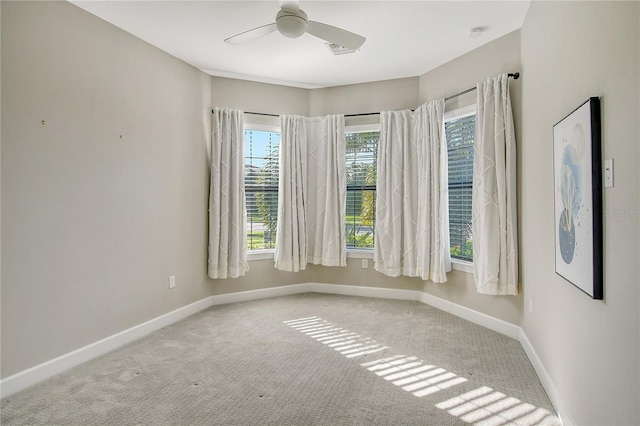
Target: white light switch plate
<point>608,173</point>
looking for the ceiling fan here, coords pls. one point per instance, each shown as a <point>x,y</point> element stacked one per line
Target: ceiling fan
<point>292,22</point>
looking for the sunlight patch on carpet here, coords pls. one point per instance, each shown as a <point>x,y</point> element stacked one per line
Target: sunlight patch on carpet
<point>407,372</point>
<point>349,344</point>
<point>484,406</point>
<point>481,407</point>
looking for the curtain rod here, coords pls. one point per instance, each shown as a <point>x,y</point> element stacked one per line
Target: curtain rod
<point>266,114</point>
<point>514,75</point>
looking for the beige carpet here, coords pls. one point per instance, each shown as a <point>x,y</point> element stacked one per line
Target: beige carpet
<point>309,359</point>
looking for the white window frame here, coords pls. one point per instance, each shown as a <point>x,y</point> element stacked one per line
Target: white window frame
<point>260,254</point>
<point>360,253</point>
<point>458,264</point>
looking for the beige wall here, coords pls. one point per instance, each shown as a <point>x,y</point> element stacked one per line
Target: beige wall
<point>376,96</point>
<point>94,224</point>
<point>262,98</point>
<point>405,94</point>
<point>259,97</point>
<point>499,56</point>
<point>355,275</point>
<point>134,208</point>
<point>262,274</point>
<point>571,51</point>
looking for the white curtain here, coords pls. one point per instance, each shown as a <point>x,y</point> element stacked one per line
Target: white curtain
<point>434,259</point>
<point>227,214</point>
<point>412,236</point>
<point>312,193</point>
<point>495,241</point>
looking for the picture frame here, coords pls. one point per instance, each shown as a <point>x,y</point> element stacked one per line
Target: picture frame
<point>577,179</point>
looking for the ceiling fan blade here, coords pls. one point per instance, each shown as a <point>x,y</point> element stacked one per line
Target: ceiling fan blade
<point>290,5</point>
<point>335,35</point>
<point>252,34</point>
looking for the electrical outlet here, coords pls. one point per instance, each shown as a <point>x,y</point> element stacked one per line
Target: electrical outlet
<point>172,281</point>
<point>365,263</point>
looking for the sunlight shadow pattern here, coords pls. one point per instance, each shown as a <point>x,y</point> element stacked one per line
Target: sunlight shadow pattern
<point>486,407</point>
<point>481,407</point>
<point>412,375</point>
<point>349,344</point>
<point>407,372</point>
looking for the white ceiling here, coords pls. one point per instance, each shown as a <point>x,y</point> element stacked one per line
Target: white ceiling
<point>404,38</point>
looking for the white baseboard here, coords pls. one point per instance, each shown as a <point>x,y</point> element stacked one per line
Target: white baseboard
<point>263,293</point>
<point>34,375</point>
<point>474,316</point>
<point>48,369</point>
<point>469,314</point>
<point>355,290</point>
<point>545,379</point>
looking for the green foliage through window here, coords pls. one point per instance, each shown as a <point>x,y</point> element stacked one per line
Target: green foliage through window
<point>362,152</point>
<point>460,134</point>
<point>261,187</point>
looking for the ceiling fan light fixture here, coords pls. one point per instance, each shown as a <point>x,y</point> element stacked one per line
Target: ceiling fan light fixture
<point>291,24</point>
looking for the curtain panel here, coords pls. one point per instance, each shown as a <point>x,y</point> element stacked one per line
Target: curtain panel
<point>412,236</point>
<point>227,211</point>
<point>494,226</point>
<point>312,193</point>
<point>434,258</point>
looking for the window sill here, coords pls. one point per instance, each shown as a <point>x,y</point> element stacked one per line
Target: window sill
<point>359,254</point>
<point>462,266</point>
<point>261,254</point>
<point>268,254</point>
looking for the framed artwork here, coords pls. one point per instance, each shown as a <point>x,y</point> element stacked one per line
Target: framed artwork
<point>577,179</point>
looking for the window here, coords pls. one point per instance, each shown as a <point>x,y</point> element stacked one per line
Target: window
<point>361,159</point>
<point>459,131</point>
<point>261,187</point>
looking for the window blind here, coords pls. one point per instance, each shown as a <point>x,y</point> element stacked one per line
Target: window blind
<point>460,136</point>
<point>261,187</point>
<point>361,162</point>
